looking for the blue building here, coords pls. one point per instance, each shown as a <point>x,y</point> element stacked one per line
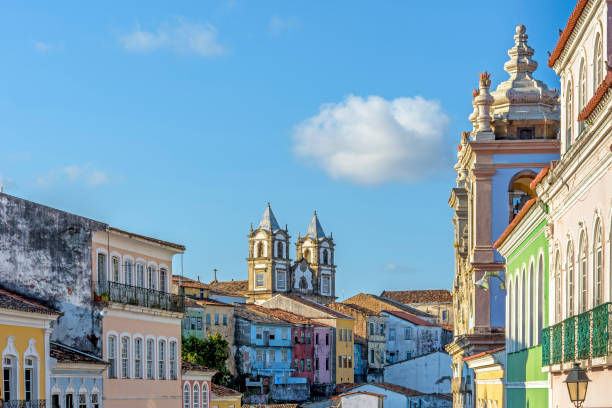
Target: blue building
<point>263,345</point>
<point>76,377</point>
<point>359,367</point>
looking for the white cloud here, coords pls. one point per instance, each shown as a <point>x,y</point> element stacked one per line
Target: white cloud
<point>371,141</point>
<point>398,269</point>
<point>278,24</point>
<point>180,36</point>
<point>84,174</point>
<point>42,46</point>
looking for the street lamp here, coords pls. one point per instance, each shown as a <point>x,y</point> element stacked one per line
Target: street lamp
<point>483,283</point>
<point>577,383</point>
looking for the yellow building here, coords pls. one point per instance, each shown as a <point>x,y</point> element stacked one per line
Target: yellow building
<point>24,344</point>
<point>488,369</point>
<point>223,397</point>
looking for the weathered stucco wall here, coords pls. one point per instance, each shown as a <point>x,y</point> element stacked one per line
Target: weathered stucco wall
<point>428,374</point>
<point>46,253</point>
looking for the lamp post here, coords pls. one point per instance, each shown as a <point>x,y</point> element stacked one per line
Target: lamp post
<point>577,383</point>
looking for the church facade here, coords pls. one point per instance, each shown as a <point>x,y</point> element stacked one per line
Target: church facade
<point>272,271</point>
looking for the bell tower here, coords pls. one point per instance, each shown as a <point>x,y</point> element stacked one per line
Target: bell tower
<point>318,251</point>
<point>268,260</point>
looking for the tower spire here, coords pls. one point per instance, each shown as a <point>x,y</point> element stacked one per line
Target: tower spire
<point>268,221</point>
<point>315,230</point>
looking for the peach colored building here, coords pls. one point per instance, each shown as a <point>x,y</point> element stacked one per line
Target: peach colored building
<point>141,325</point>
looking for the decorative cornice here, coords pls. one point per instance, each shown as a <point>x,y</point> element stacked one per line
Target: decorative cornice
<point>568,32</point>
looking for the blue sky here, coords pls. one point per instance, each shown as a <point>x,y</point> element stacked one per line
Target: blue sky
<point>180,120</point>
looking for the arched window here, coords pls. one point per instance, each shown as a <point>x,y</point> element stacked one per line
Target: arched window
<point>597,265</point>
<point>558,287</point>
<point>196,395</point>
<point>523,318</point>
<point>532,307</point>
<point>186,395</point>
<point>138,357</point>
<point>128,272</point>
<point>570,280</point>
<point>581,93</point>
<point>30,378</point>
<point>260,248</point>
<point>597,64</point>
<point>163,280</point>
<point>204,395</point>
<point>280,253</point>
<point>583,274</point>
<point>325,257</point>
<point>152,277</point>
<point>101,270</point>
<point>150,358</point>
<point>111,353</point>
<point>140,275</point>
<point>307,255</point>
<point>115,274</point>
<point>9,377</point>
<point>519,191</point>
<point>540,300</point>
<point>569,116</point>
<point>125,357</point>
<point>172,358</point>
<point>161,359</point>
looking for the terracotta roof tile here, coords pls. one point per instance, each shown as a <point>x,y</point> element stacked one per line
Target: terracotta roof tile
<point>517,218</point>
<point>410,318</point>
<point>419,296</point>
<point>601,91</point>
<point>346,387</point>
<point>567,32</point>
<point>189,366</point>
<point>257,314</point>
<point>317,306</point>
<point>397,388</point>
<point>358,392</point>
<point>380,304</point>
<point>10,300</point>
<point>188,283</point>
<point>212,302</point>
<point>270,405</point>
<point>339,306</point>
<point>484,353</point>
<point>291,317</point>
<point>539,178</point>
<point>221,391</point>
<point>67,354</point>
<point>239,287</point>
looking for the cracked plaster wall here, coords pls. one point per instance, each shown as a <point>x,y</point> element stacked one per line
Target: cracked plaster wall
<point>46,254</point>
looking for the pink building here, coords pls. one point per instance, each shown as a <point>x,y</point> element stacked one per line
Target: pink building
<point>323,358</point>
<point>196,382</point>
<point>141,325</point>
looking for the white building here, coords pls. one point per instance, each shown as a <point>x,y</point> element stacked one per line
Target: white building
<point>430,373</point>
<point>409,336</point>
<point>397,396</point>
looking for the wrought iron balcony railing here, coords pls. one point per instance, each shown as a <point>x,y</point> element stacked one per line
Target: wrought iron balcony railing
<point>134,295</point>
<point>24,404</point>
<point>580,337</point>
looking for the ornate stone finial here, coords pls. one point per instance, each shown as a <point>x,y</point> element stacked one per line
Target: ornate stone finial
<point>520,65</point>
<point>483,101</point>
<point>485,80</point>
<point>475,93</point>
<point>473,118</point>
<point>465,137</point>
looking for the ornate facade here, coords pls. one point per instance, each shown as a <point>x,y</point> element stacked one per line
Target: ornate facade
<point>271,271</point>
<point>514,135</point>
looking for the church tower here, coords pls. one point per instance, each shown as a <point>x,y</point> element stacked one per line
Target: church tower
<point>315,255</point>
<point>268,260</point>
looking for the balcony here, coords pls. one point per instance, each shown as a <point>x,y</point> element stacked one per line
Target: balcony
<point>582,337</point>
<point>137,296</point>
<point>24,404</point>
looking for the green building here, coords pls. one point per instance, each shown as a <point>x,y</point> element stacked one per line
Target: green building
<point>524,244</point>
<point>193,323</point>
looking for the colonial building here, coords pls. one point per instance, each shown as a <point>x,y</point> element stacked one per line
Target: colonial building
<point>369,326</point>
<point>342,345</point>
<point>25,328</point>
<point>197,385</point>
<point>514,136</point>
<point>408,336</point>
<point>76,378</point>
<point>381,304</point>
<point>223,397</point>
<point>488,367</point>
<point>578,192</point>
<point>437,302</point>
<point>271,270</point>
<point>113,288</point>
<point>524,245</point>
